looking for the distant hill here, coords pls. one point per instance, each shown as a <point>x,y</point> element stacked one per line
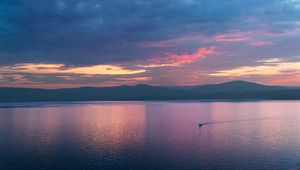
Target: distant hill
<point>229,90</point>
<point>237,87</point>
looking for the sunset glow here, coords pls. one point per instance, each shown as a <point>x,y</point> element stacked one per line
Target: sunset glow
<point>149,84</point>
<point>60,69</point>
<point>264,70</point>
<point>172,43</point>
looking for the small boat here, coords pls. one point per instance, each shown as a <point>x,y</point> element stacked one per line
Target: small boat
<point>201,124</point>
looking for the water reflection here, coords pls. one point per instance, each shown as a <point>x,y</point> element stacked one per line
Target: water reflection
<point>107,127</point>
<point>151,135</point>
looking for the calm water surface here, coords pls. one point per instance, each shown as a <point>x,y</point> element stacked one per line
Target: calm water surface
<point>150,135</point>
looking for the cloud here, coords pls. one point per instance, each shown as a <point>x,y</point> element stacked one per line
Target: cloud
<point>179,59</point>
<point>135,79</point>
<point>33,68</point>
<point>60,76</point>
<point>261,43</point>
<point>232,37</point>
<point>270,60</point>
<point>89,32</point>
<point>261,70</point>
<point>105,42</point>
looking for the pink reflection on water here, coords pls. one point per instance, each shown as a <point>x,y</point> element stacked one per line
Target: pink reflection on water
<point>109,127</point>
<point>162,131</point>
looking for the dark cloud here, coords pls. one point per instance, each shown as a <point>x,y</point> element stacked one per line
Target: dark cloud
<point>85,32</point>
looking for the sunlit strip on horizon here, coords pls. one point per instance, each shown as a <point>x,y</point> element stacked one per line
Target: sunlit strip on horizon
<point>35,68</point>
<point>261,70</point>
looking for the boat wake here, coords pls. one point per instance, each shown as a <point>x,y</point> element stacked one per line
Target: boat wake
<point>235,121</point>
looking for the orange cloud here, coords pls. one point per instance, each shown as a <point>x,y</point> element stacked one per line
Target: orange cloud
<point>135,79</point>
<point>176,60</point>
<point>261,70</point>
<point>34,68</point>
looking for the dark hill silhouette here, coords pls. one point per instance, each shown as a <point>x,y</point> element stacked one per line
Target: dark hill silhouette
<point>236,86</point>
<point>229,90</point>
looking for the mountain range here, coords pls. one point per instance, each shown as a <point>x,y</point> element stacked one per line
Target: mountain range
<point>234,90</point>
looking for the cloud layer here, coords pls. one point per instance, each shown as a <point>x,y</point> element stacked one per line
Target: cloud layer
<point>150,38</point>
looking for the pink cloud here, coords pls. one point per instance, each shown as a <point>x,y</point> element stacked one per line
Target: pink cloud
<point>179,59</point>
<point>261,43</point>
<point>232,37</point>
<point>198,37</point>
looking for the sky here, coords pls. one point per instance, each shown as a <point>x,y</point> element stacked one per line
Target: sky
<point>74,43</point>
